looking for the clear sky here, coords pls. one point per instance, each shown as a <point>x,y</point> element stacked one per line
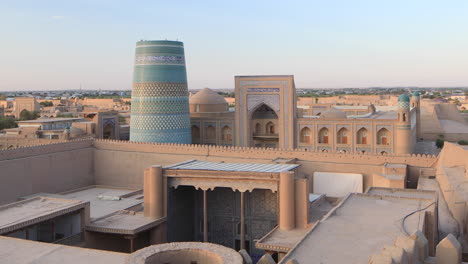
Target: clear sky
<point>46,44</point>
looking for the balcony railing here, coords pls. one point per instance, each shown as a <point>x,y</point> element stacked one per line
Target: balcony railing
<point>265,135</point>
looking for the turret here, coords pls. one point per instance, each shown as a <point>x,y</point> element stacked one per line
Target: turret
<point>403,144</point>
<point>416,104</point>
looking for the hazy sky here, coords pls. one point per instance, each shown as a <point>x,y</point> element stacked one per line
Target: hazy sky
<point>327,43</point>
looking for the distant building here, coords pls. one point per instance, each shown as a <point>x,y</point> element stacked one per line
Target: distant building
<point>25,103</point>
<point>266,115</point>
<point>102,124</point>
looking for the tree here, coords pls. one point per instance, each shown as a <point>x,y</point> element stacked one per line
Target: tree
<point>46,103</point>
<point>439,143</point>
<point>28,115</point>
<point>6,122</point>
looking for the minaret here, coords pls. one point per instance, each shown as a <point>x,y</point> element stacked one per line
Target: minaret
<point>416,104</point>
<point>403,144</point>
<point>160,103</point>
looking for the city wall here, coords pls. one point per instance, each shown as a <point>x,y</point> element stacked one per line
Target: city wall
<point>16,142</point>
<point>70,165</point>
<point>46,168</point>
<point>122,163</point>
<point>452,176</point>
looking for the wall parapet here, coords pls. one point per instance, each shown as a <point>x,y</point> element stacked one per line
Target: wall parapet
<point>418,160</point>
<point>43,149</point>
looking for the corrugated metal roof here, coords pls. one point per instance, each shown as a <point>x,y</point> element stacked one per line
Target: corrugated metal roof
<point>218,166</point>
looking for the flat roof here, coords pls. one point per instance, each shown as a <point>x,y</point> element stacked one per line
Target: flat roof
<point>351,107</point>
<point>281,240</point>
<point>404,193</point>
<point>124,222</point>
<point>106,200</point>
<point>24,213</point>
<point>384,115</point>
<point>51,120</point>
<point>21,251</point>
<point>221,166</point>
<point>370,221</point>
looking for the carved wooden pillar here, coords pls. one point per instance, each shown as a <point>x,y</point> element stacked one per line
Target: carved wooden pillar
<point>242,222</point>
<point>205,218</point>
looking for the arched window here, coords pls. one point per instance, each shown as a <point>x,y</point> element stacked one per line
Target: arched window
<point>270,128</point>
<point>383,137</point>
<point>362,136</point>
<point>211,132</point>
<point>226,134</point>
<point>342,136</point>
<point>404,117</point>
<point>258,128</point>
<point>305,135</point>
<point>195,134</point>
<point>323,136</point>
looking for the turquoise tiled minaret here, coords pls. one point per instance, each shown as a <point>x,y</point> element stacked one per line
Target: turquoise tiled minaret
<point>160,107</point>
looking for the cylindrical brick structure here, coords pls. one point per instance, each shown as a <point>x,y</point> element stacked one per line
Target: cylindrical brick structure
<point>153,193</point>
<point>403,127</point>
<point>160,106</point>
<point>287,219</point>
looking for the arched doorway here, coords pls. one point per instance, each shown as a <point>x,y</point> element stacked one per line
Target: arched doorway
<point>195,134</point>
<point>362,136</point>
<point>210,132</point>
<point>305,135</point>
<point>383,137</point>
<point>108,132</point>
<point>270,128</point>
<point>342,136</point>
<point>323,136</point>
<point>264,127</point>
<point>226,135</point>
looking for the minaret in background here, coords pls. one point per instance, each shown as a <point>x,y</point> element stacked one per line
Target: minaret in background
<point>160,107</point>
<point>403,126</point>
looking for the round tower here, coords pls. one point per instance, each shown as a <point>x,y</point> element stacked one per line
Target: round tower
<point>403,126</point>
<point>416,104</point>
<point>160,102</point>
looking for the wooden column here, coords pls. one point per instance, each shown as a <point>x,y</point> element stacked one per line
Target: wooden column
<point>205,218</point>
<point>132,246</point>
<point>242,222</point>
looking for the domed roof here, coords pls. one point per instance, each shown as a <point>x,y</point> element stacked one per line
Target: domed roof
<point>403,98</point>
<point>333,114</point>
<point>207,96</point>
<point>416,94</point>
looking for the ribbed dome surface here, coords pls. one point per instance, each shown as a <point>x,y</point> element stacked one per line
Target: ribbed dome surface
<point>333,114</point>
<point>207,96</point>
